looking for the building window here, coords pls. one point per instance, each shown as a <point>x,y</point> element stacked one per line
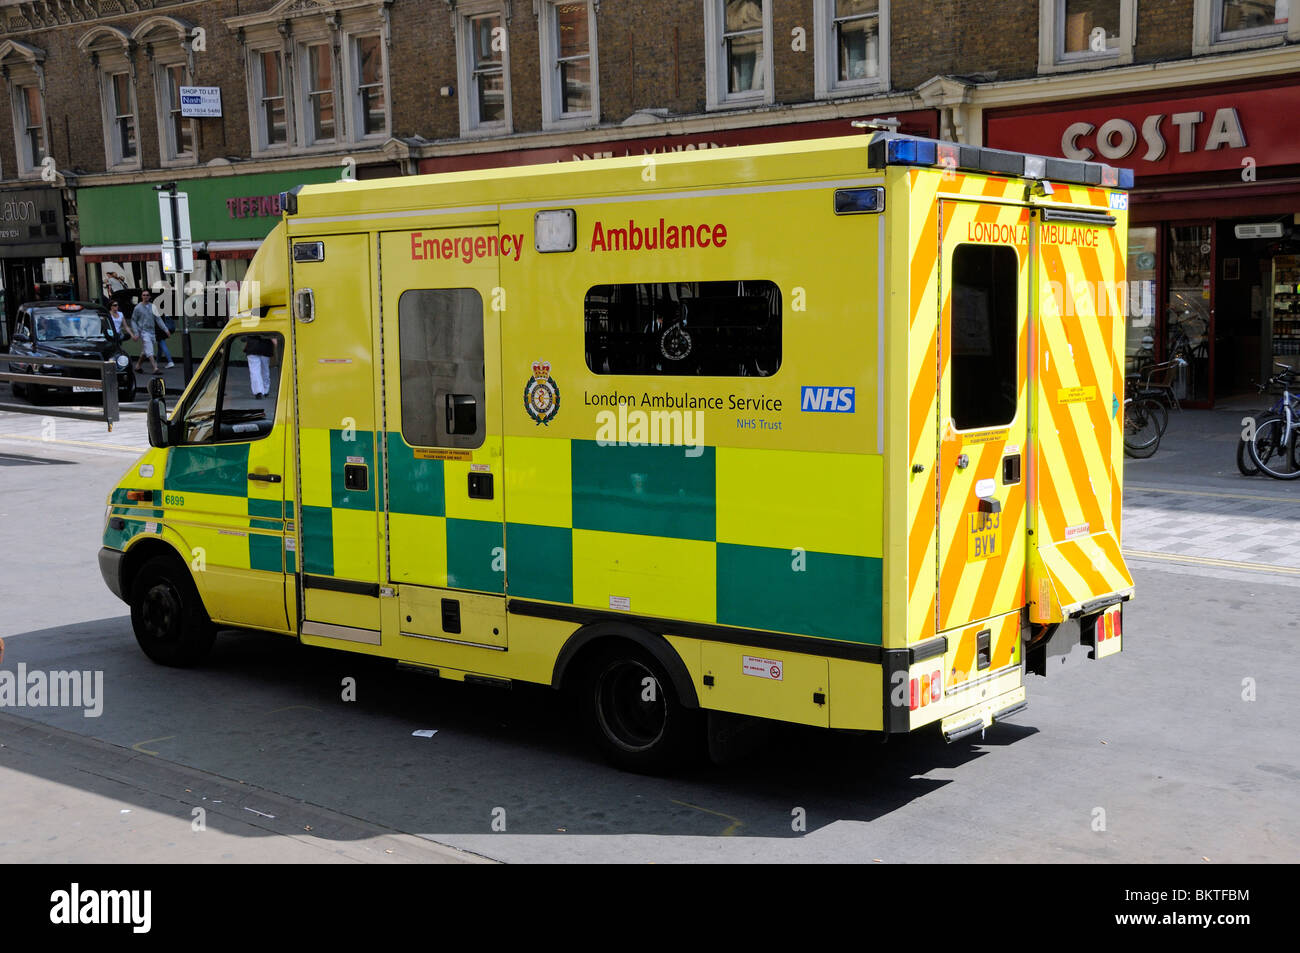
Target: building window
<point>372,110</point>
<point>739,63</point>
<point>272,118</point>
<point>122,104</point>
<point>1083,34</point>
<point>852,46</point>
<point>32,133</point>
<point>110,50</point>
<point>317,74</point>
<point>318,87</point>
<point>484,65</point>
<point>489,82</point>
<point>1240,24</point>
<point>178,131</point>
<point>569,73</point>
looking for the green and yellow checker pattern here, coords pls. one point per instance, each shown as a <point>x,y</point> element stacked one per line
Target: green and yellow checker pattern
<point>728,536</point>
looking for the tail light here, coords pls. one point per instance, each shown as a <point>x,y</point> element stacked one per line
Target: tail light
<point>936,686</point>
<point>914,702</point>
<point>925,690</point>
<point>1118,616</point>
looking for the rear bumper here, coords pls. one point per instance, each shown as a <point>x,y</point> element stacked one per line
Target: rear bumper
<point>110,567</point>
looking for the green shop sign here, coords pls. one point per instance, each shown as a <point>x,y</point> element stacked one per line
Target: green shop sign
<point>222,208</point>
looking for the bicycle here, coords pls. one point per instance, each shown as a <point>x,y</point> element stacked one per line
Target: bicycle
<point>1145,420</point>
<point>1275,448</point>
<point>1244,462</point>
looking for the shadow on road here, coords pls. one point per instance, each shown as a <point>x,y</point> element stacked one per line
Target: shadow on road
<point>268,712</point>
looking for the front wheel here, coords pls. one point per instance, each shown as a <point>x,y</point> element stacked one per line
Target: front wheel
<point>167,614</point>
<point>633,711</point>
<point>1144,423</point>
<point>1276,452</point>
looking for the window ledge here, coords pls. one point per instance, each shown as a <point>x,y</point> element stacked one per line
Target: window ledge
<point>1244,43</point>
<point>738,102</point>
<point>570,122</point>
<point>856,89</point>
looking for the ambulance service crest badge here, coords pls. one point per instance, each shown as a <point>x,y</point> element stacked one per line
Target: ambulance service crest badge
<point>541,395</point>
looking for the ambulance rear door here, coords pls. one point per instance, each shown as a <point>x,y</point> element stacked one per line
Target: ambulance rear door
<point>983,414</point>
<point>1078,351</point>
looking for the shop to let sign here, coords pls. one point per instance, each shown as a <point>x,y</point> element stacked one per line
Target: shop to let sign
<point>200,102</point>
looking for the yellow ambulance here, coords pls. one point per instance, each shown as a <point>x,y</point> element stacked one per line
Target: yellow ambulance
<point>824,432</point>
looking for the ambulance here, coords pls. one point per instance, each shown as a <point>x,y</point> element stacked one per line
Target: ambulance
<point>824,432</point>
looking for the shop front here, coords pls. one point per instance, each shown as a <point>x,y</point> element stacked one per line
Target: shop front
<point>35,256</point>
<point>917,123</point>
<point>1214,223</point>
<point>120,251</point>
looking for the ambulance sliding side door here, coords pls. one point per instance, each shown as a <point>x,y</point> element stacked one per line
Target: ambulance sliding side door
<point>442,308</point>
<point>983,414</point>
<point>335,348</point>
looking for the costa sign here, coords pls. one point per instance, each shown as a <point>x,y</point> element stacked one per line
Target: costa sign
<point>1158,136</point>
<point>1118,138</point>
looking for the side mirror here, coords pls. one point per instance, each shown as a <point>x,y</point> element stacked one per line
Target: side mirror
<point>462,414</point>
<point>157,421</point>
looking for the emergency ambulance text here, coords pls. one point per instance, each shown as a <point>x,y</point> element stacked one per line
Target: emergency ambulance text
<point>465,247</point>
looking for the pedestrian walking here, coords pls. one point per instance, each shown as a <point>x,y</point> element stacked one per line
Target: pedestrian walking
<point>170,325</point>
<point>148,326</point>
<point>121,326</point>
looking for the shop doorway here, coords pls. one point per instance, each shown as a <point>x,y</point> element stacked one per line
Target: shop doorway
<point>1189,309</point>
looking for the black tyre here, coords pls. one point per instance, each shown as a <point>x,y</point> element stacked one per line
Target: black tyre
<point>1244,463</point>
<point>1144,421</point>
<point>1267,451</point>
<point>126,393</point>
<point>167,614</point>
<point>633,711</point>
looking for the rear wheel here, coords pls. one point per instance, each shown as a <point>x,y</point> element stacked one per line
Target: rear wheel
<point>1278,458</point>
<point>167,614</point>
<point>633,711</point>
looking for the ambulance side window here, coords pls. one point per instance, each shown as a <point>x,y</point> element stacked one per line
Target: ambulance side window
<point>684,328</point>
<point>985,344</point>
<point>236,396</point>
<point>440,347</point>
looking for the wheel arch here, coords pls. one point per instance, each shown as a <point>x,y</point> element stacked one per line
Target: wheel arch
<point>140,553</point>
<point>583,643</point>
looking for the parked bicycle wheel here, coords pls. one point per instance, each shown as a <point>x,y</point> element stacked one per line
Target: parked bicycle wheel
<point>1144,421</point>
<point>1279,460</point>
<point>1245,459</point>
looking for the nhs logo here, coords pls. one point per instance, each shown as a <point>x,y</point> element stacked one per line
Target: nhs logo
<point>832,400</point>
<point>1119,201</point>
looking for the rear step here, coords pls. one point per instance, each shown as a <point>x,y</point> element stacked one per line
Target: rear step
<point>970,728</point>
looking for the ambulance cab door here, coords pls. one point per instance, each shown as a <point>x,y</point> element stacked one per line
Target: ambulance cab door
<point>334,341</point>
<point>983,413</point>
<point>442,306</point>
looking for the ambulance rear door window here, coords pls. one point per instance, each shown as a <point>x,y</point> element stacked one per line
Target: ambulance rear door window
<point>985,349</point>
<point>440,346</point>
<point>684,328</point>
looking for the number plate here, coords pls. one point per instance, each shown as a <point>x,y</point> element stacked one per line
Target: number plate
<point>984,535</point>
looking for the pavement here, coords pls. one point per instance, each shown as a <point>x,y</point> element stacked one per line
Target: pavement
<point>1189,502</point>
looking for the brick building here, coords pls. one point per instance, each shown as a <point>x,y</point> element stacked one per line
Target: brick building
<point>310,90</point>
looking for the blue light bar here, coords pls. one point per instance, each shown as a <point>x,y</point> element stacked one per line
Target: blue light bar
<point>910,152</point>
<point>1126,178</point>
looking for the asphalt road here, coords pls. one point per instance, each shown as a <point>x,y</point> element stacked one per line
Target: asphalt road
<point>1159,746</point>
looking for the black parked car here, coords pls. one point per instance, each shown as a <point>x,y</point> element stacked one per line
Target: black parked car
<point>72,329</point>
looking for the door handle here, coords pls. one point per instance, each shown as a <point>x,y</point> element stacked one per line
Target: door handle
<point>265,477</point>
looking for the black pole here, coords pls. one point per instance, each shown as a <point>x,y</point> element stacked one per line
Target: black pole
<point>187,360</point>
